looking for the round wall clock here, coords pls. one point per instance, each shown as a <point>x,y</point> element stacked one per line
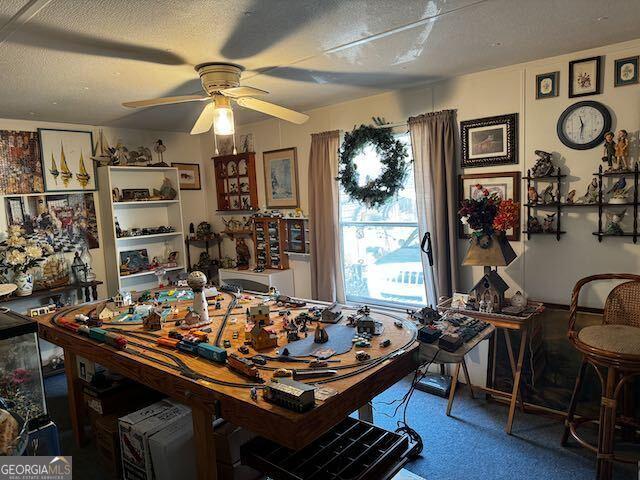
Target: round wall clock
<point>583,125</point>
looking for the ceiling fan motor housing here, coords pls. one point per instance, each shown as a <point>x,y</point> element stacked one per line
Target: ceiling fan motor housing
<point>218,76</point>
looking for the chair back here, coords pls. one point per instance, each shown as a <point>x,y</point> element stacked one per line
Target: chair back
<point>623,305</point>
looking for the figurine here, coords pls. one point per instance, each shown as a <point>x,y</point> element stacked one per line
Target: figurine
<point>622,151</point>
<point>533,196</point>
<point>619,192</point>
<point>592,193</point>
<point>320,335</point>
<point>571,197</point>
<point>548,196</point>
<point>141,155</point>
<point>613,223</point>
<point>543,166</point>
<point>547,224</point>
<point>609,150</point>
<point>534,225</point>
<point>254,393</point>
<point>243,256</point>
<point>118,229</point>
<point>160,148</point>
<point>619,185</point>
<point>166,192</point>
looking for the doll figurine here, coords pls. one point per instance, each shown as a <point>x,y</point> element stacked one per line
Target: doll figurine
<point>609,150</point>
<point>622,151</point>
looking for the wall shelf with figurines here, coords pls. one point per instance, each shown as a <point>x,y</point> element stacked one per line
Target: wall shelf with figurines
<point>236,186</point>
<point>619,194</point>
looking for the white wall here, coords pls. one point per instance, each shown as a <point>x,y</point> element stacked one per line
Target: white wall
<point>181,147</point>
<point>545,269</point>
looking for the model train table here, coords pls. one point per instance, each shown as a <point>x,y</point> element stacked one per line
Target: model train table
<point>213,389</point>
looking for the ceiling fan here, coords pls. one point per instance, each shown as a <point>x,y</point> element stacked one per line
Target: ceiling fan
<point>221,84</point>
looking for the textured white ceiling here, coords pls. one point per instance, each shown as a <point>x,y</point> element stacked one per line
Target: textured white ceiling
<point>78,60</point>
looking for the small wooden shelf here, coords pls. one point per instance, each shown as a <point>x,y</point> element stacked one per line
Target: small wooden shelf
<point>227,173</point>
<point>613,174</point>
<point>561,232</point>
<point>238,233</point>
<point>147,237</point>
<point>150,272</point>
<point>145,203</point>
<point>51,292</point>
<point>557,206</point>
<point>546,178</point>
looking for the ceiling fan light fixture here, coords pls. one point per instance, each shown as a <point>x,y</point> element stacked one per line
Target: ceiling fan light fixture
<point>223,123</point>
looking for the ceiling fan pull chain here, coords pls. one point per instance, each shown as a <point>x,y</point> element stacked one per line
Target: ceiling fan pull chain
<point>235,152</point>
<point>215,143</point>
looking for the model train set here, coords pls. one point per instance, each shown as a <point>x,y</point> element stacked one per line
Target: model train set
<point>272,344</point>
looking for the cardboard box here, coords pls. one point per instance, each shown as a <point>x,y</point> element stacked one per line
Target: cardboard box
<point>105,429</point>
<point>135,431</point>
<point>172,451</point>
<point>228,439</point>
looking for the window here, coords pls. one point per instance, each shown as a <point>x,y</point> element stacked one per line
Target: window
<point>381,247</point>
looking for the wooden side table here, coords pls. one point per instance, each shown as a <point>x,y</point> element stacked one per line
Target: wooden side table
<point>505,323</point>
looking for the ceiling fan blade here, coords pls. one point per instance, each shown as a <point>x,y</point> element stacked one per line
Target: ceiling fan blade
<point>205,120</point>
<point>237,92</point>
<point>165,101</point>
<point>273,110</point>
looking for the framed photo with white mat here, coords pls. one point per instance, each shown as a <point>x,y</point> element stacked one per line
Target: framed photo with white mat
<point>281,178</point>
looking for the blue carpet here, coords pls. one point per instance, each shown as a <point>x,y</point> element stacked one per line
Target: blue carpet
<point>470,445</point>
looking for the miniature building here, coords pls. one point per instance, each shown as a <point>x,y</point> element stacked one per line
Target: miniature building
<point>332,313</point>
<point>320,335</point>
<point>290,394</point>
<point>153,321</point>
<point>492,288</point>
<point>260,315</point>
<point>366,324</point>
<point>262,338</point>
<point>122,299</point>
<point>105,312</point>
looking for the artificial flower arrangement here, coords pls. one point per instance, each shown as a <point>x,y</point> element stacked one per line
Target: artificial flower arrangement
<point>487,213</point>
<point>19,254</point>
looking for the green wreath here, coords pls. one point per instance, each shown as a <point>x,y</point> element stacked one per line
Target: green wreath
<point>392,154</point>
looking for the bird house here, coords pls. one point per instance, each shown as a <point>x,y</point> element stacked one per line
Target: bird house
<point>491,288</point>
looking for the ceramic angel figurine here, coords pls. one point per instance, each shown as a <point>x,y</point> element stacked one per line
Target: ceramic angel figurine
<point>622,151</point>
<point>613,222</point>
<point>547,224</point>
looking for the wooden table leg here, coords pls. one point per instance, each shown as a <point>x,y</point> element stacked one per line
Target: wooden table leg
<point>204,443</point>
<point>467,377</point>
<point>365,412</point>
<point>452,390</point>
<point>512,362</point>
<point>74,394</point>
<point>516,381</point>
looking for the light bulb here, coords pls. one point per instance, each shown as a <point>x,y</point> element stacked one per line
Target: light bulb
<point>223,117</point>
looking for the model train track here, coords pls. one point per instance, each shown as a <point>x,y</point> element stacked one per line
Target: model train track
<point>223,324</point>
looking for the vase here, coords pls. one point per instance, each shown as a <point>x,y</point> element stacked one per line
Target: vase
<point>24,282</point>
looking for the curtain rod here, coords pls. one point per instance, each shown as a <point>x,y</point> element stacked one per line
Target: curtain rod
<point>392,125</point>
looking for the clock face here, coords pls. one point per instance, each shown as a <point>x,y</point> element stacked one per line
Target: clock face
<point>583,125</point>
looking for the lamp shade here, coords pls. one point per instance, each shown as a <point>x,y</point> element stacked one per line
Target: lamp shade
<point>223,116</point>
<point>498,253</point>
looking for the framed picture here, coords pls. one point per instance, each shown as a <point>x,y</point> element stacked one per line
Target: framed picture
<point>134,261</point>
<point>20,165</point>
<point>188,175</point>
<point>505,184</point>
<point>489,141</point>
<point>547,85</point>
<point>281,178</point>
<point>626,71</point>
<point>584,77</point>
<point>63,221</point>
<point>66,160</point>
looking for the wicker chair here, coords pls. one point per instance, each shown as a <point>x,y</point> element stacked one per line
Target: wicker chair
<point>613,350</point>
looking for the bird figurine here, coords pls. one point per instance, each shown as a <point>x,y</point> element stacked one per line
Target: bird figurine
<point>547,223</point>
<point>548,196</point>
<point>571,197</point>
<point>159,147</point>
<point>533,195</point>
<point>619,185</point>
<point>592,193</point>
<point>613,222</point>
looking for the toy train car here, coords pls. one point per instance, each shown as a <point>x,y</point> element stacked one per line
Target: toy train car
<point>98,334</point>
<point>243,366</point>
<point>290,394</point>
<point>187,346</point>
<point>211,352</point>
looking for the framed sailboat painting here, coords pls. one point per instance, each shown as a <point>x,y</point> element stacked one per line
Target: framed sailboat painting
<point>66,160</point>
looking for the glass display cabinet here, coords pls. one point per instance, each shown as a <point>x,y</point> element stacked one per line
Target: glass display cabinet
<point>21,381</point>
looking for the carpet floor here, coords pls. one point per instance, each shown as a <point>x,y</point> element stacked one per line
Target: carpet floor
<point>470,445</point>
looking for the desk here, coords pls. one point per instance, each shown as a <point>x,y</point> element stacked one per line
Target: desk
<point>506,323</point>
<point>356,383</point>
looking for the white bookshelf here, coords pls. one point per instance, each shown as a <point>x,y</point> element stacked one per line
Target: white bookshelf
<point>140,214</point>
